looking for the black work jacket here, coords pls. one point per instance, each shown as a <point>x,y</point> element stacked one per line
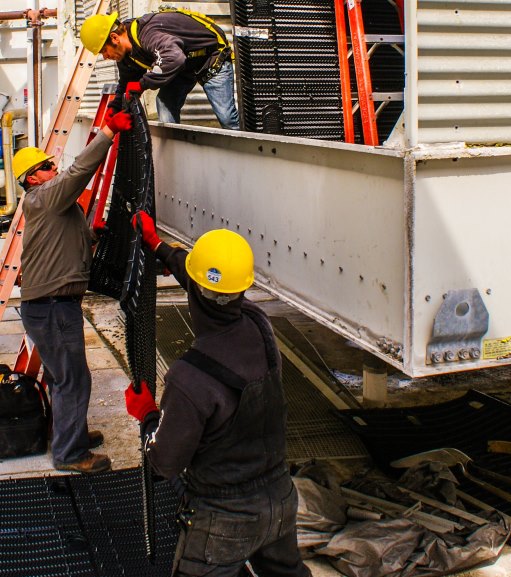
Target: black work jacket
<point>226,429</point>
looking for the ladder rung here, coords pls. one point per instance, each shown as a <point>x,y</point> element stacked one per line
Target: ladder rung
<point>385,38</point>
<point>381,96</point>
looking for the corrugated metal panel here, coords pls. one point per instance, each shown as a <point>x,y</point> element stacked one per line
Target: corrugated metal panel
<point>464,59</point>
<point>104,71</point>
<point>197,109</point>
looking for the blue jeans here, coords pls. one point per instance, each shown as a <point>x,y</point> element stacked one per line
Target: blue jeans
<point>219,90</point>
<point>57,331</point>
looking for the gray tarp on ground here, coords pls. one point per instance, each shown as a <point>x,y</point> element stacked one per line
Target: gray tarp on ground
<point>388,547</point>
<point>321,515</point>
<point>400,548</point>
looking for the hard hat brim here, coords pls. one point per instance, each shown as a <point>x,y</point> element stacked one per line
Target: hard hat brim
<point>23,175</point>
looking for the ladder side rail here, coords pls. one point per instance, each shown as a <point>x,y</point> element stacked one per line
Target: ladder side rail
<point>363,73</point>
<point>400,6</point>
<point>10,258</point>
<point>107,95</point>
<point>98,220</point>
<point>28,360</point>
<point>344,69</point>
<point>88,196</point>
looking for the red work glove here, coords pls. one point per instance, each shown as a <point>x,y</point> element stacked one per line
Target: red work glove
<point>139,405</point>
<point>120,122</point>
<point>149,235</point>
<point>109,114</point>
<point>133,87</point>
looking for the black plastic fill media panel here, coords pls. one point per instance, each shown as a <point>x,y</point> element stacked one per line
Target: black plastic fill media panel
<point>466,423</point>
<point>84,526</point>
<point>288,67</point>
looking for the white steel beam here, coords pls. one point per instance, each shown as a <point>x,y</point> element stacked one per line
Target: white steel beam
<point>367,241</point>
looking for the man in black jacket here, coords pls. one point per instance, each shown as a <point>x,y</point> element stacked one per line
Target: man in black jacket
<point>168,51</point>
<point>222,419</point>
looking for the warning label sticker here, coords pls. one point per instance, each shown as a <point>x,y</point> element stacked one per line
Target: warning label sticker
<point>497,348</point>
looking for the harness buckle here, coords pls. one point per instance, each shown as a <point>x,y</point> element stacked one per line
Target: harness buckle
<point>215,67</point>
<point>184,517</point>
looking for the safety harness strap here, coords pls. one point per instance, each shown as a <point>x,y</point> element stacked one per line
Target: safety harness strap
<point>214,369</point>
<point>134,35</point>
<point>225,375</point>
<point>207,22</point>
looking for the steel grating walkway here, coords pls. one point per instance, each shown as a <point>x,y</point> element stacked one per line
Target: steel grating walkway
<point>83,526</point>
<point>314,431</point>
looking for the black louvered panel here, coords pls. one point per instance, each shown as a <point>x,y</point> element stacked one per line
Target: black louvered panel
<point>466,423</point>
<point>125,269</point>
<point>84,526</point>
<point>290,81</point>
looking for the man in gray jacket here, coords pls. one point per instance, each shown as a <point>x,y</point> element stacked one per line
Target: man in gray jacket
<point>55,263</point>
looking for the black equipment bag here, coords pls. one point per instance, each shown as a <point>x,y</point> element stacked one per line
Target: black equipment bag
<point>25,415</point>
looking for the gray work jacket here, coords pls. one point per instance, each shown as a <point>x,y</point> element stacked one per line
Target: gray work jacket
<point>57,244</point>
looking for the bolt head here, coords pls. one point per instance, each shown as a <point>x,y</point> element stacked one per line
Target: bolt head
<point>436,357</point>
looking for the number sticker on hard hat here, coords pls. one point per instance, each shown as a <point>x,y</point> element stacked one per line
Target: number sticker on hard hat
<point>214,275</point>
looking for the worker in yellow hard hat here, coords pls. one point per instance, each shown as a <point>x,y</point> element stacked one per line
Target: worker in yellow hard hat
<point>168,51</point>
<point>55,263</point>
<point>220,429</point>
<point>28,158</point>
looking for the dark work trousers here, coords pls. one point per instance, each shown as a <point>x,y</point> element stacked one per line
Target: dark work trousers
<point>57,331</point>
<point>226,532</point>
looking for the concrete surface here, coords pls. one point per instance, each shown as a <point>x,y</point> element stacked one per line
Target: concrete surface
<point>106,410</point>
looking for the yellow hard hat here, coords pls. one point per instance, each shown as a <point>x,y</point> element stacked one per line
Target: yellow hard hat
<point>25,159</point>
<point>221,261</point>
<point>95,31</point>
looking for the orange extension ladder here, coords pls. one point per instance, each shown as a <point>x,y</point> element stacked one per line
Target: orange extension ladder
<point>365,98</point>
<point>103,177</point>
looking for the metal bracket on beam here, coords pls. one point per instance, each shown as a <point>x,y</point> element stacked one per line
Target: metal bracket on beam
<point>458,327</point>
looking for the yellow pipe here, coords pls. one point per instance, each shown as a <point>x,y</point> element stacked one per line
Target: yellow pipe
<point>11,198</point>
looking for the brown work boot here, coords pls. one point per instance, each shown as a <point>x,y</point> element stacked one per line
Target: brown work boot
<point>96,439</point>
<point>91,463</point>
